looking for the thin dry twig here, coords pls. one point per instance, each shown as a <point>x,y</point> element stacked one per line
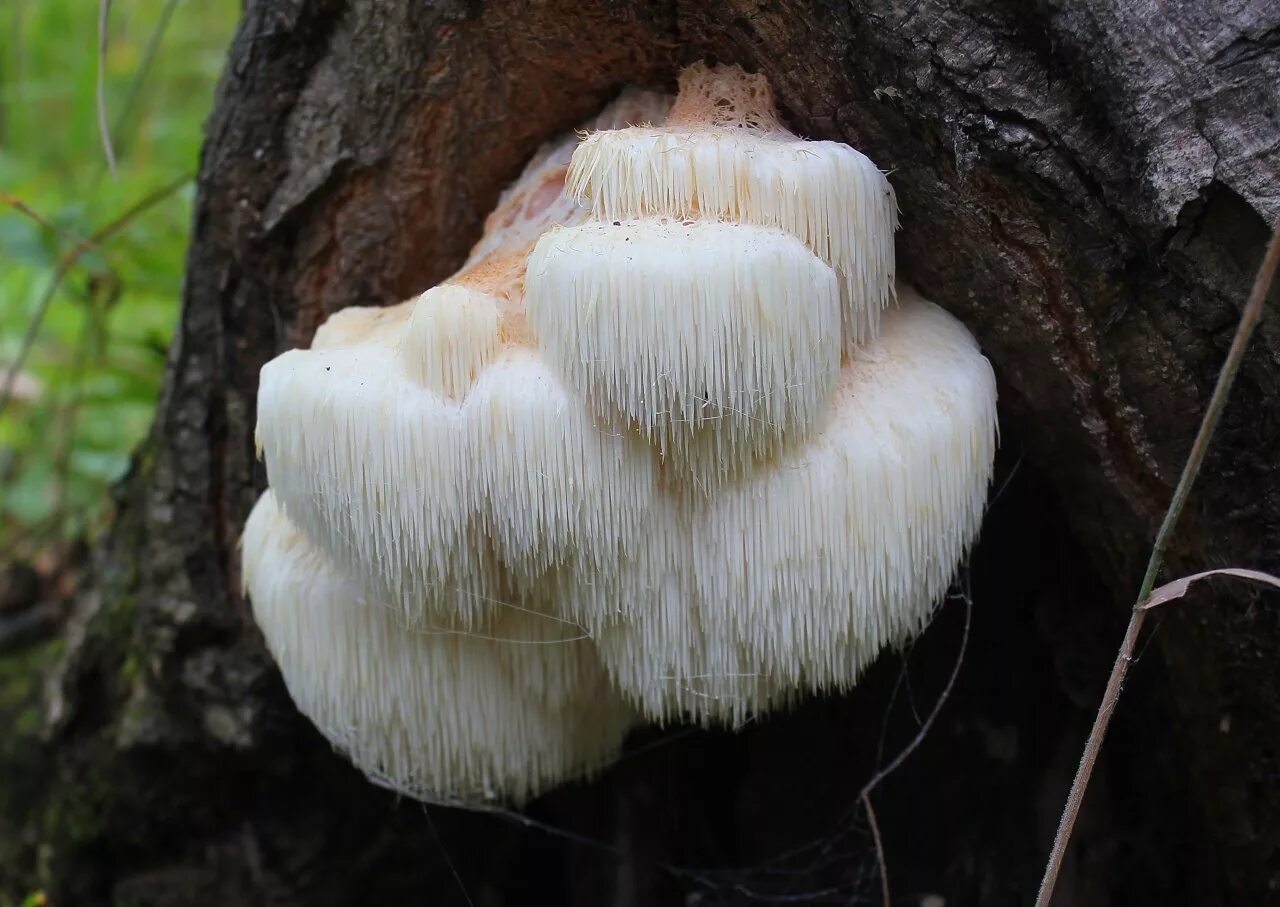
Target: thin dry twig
<point>1178,588</point>
<point>1226,378</point>
<point>32,214</point>
<point>104,128</point>
<point>879,846</point>
<point>64,266</point>
<point>865,794</point>
<point>120,132</point>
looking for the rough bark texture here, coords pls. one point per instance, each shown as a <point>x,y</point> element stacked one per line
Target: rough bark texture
<point>1087,184</point>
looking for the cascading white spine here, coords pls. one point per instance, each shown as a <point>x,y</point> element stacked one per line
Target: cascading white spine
<point>714,341</point>
<point>800,504</point>
<point>724,155</point>
<point>451,335</point>
<point>401,486</point>
<point>794,580</point>
<point>441,712</point>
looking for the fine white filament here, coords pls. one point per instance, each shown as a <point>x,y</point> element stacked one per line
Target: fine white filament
<point>672,455</point>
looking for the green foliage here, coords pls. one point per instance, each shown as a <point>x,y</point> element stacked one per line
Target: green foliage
<point>100,351</point>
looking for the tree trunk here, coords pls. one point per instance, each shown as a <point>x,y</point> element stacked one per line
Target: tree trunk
<point>1088,185</point>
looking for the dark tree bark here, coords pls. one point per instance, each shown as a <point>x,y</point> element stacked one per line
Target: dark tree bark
<point>1087,184</point>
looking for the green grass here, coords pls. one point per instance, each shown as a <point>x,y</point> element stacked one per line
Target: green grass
<point>100,351</point>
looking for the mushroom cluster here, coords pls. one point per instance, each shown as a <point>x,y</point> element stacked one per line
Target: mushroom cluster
<point>683,452</point>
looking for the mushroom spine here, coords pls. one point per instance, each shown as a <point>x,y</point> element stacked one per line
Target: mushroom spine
<point>686,451</point>
<point>724,154</point>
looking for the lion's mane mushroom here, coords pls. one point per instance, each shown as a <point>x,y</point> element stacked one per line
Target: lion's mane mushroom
<point>714,340</point>
<point>437,712</point>
<point>432,484</point>
<point>437,505</point>
<point>704,443</point>
<point>838,536</point>
<point>724,154</point>
<point>432,453</point>
<point>793,579</point>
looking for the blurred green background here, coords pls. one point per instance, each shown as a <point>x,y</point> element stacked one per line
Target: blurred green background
<point>90,263</point>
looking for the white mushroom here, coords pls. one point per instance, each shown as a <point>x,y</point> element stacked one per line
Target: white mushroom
<point>714,340</point>
<point>452,333</point>
<point>437,505</point>
<point>504,709</point>
<point>431,453</point>
<point>792,580</point>
<point>724,154</point>
<point>357,324</point>
<point>704,450</point>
